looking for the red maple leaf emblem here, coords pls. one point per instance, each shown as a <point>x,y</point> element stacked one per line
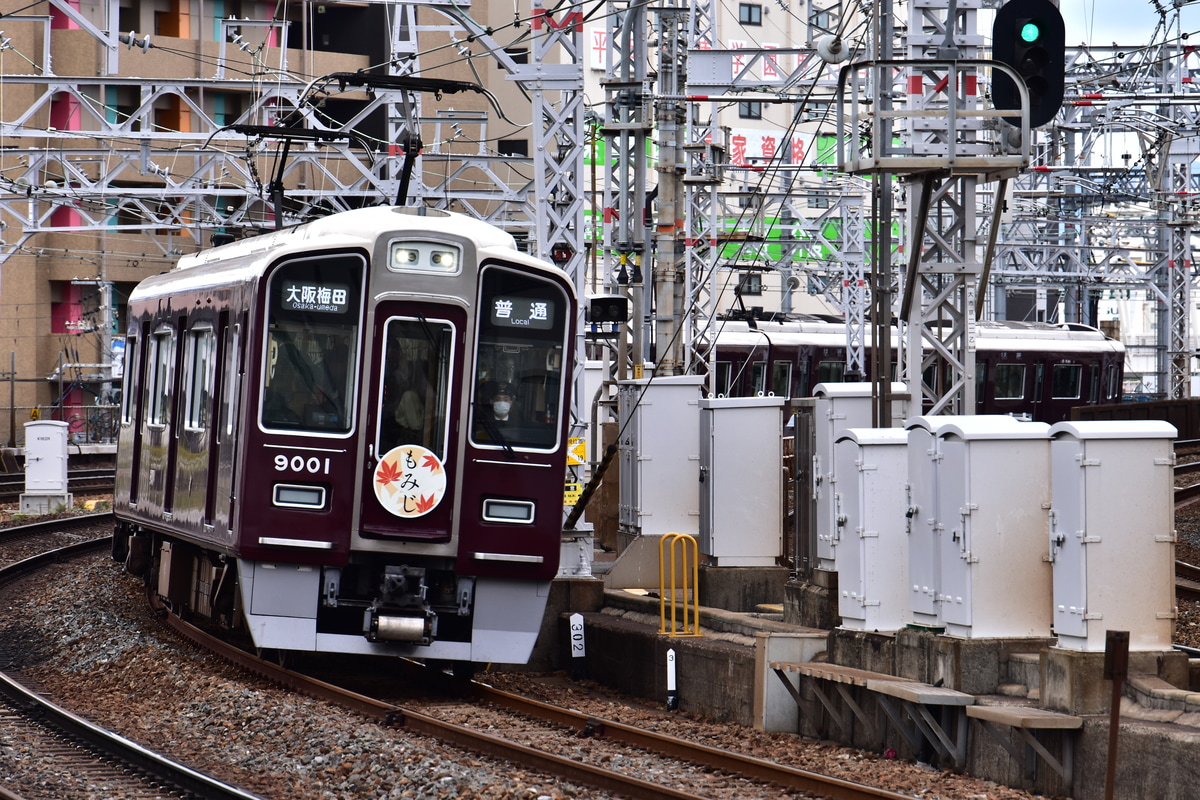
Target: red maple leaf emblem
<point>388,473</point>
<point>431,463</point>
<point>425,503</point>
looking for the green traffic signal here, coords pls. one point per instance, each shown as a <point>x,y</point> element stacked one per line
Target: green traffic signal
<point>1030,32</point>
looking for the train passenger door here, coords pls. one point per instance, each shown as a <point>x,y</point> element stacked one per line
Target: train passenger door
<point>417,358</point>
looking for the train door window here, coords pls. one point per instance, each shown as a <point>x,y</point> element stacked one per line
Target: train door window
<point>1065,381</point>
<point>310,359</point>
<point>781,379</point>
<point>831,371</point>
<point>929,377</point>
<point>1094,385</point>
<point>758,379</point>
<point>233,380</point>
<point>724,378</point>
<point>1111,381</point>
<point>1009,383</point>
<point>133,357</point>
<point>418,356</point>
<point>161,380</point>
<point>517,399</point>
<point>1039,382</point>
<point>199,371</point>
<point>802,389</point>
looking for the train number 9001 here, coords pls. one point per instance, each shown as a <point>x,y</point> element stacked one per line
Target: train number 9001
<point>311,465</point>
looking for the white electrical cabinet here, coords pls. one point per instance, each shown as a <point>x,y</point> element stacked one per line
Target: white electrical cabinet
<point>871,551</point>
<point>45,466</point>
<point>993,489</point>
<point>1112,538</point>
<point>660,454</point>
<point>741,483</point>
<point>924,528</point>
<point>840,406</point>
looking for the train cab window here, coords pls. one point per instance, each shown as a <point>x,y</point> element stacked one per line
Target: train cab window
<point>517,398</point>
<point>417,359</point>
<point>1009,382</point>
<point>161,380</point>
<point>133,359</point>
<point>199,366</point>
<point>310,359</point>
<point>1065,381</point>
<point>724,378</point>
<point>830,371</point>
<point>781,379</point>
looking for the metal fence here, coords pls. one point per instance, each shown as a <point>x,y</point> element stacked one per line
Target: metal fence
<point>98,424</point>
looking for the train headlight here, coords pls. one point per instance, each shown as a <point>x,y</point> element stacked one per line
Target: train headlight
<point>404,256</point>
<point>444,260</point>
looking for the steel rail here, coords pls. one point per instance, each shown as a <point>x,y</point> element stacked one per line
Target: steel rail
<point>94,738</point>
<point>470,739</point>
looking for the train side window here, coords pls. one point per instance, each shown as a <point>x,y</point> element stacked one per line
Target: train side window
<point>1065,381</point>
<point>781,379</point>
<point>417,358</point>
<point>724,378</point>
<point>199,372</point>
<point>1009,383</point>
<point>519,382</point>
<point>133,357</point>
<point>161,379</point>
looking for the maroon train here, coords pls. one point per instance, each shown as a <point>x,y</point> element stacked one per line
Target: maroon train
<point>309,446</point>
<point>1034,369</point>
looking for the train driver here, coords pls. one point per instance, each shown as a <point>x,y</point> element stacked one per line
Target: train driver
<point>495,418</point>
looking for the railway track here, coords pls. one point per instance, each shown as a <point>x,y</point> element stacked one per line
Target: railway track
<point>82,481</point>
<point>79,748</point>
<point>569,724</point>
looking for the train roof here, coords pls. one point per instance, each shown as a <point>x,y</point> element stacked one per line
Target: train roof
<point>990,334</point>
<point>247,258</point>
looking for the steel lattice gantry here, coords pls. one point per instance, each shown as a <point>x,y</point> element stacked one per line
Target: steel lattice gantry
<point>95,154</point>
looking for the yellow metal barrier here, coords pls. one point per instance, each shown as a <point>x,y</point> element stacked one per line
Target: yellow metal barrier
<point>686,545</point>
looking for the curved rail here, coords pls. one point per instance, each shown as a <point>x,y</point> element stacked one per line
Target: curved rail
<point>568,769</point>
<point>94,738</point>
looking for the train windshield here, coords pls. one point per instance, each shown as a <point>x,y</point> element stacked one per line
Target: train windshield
<point>518,366</point>
<point>309,367</point>
<point>417,356</point>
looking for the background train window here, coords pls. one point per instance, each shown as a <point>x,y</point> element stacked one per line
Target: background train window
<point>830,371</point>
<point>1009,383</point>
<point>781,379</point>
<point>724,376</point>
<point>517,399</point>
<point>199,378</point>
<point>1112,379</point>
<point>418,357</point>
<point>133,358</point>
<point>161,379</point>
<point>758,379</point>
<point>1065,381</point>
<point>314,310</point>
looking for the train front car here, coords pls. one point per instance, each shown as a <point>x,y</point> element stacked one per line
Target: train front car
<point>401,441</point>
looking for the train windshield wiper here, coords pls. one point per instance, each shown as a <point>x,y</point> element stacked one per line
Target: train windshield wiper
<point>493,430</point>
